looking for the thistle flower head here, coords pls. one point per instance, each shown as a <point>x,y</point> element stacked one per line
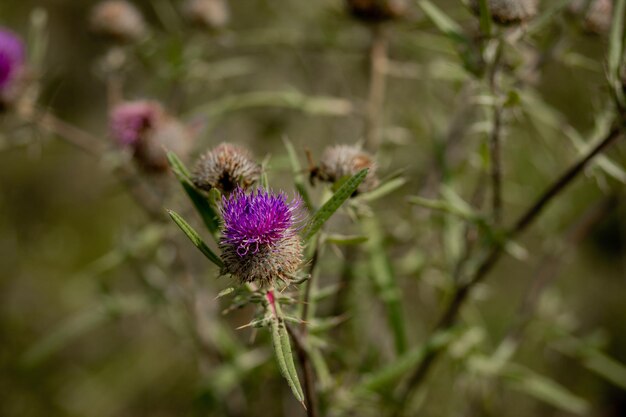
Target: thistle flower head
<point>146,128</point>
<point>212,14</point>
<point>118,20</point>
<point>596,16</point>
<point>130,120</point>
<point>226,167</point>
<point>12,57</point>
<point>260,240</point>
<point>508,12</point>
<point>340,161</point>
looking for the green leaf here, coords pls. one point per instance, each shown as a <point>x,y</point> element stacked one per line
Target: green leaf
<point>382,190</point>
<point>444,23</point>
<point>206,210</point>
<point>594,360</point>
<point>544,389</point>
<point>383,276</point>
<point>298,176</point>
<point>332,205</point>
<point>80,324</point>
<point>282,349</point>
<point>393,372</point>
<point>345,239</point>
<point>485,17</point>
<point>195,238</point>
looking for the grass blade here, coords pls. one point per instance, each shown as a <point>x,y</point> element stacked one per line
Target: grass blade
<point>195,238</point>
<point>327,210</point>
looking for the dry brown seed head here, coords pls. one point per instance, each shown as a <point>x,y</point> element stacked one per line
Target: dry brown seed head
<point>226,167</point>
<point>118,20</point>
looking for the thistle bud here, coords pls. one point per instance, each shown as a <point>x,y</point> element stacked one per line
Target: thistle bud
<point>212,14</point>
<point>118,20</point>
<point>509,12</point>
<point>148,130</point>
<point>376,11</point>
<point>597,15</point>
<point>226,167</point>
<point>341,161</point>
<point>260,241</point>
<point>12,67</point>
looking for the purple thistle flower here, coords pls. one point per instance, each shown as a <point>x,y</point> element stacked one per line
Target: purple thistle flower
<point>130,120</point>
<point>12,57</point>
<point>260,239</point>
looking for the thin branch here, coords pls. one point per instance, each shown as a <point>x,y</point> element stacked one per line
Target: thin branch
<point>377,87</point>
<point>451,314</point>
<point>495,138</point>
<point>91,145</point>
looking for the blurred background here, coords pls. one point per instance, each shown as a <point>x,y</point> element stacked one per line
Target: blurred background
<point>93,323</point>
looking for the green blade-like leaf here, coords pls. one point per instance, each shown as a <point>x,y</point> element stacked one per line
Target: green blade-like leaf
<point>207,212</point>
<point>382,190</point>
<point>442,21</point>
<point>393,372</point>
<point>544,389</point>
<point>485,17</point>
<point>282,349</point>
<point>298,173</point>
<point>195,238</point>
<point>339,197</point>
<point>383,276</point>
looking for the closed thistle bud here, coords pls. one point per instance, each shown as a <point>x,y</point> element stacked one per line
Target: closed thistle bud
<point>226,167</point>
<point>597,15</point>
<point>508,12</point>
<point>148,130</point>
<point>118,20</point>
<point>12,67</point>
<point>212,14</point>
<point>260,241</point>
<point>341,161</point>
<point>376,11</point>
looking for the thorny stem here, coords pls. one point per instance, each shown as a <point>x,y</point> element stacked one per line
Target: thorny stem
<point>451,314</point>
<point>377,87</point>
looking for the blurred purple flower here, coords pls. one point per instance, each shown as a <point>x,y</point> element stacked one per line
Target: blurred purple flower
<point>130,120</point>
<point>12,56</point>
<point>260,236</point>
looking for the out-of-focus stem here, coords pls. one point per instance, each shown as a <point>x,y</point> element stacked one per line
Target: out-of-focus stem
<point>377,87</point>
<point>495,139</point>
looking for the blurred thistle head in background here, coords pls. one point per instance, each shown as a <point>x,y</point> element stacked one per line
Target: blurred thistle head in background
<point>377,11</point>
<point>596,15</point>
<point>509,12</point>
<point>12,66</point>
<point>260,241</point>
<point>341,161</point>
<point>211,14</point>
<point>118,20</point>
<point>226,167</point>
<point>146,128</point>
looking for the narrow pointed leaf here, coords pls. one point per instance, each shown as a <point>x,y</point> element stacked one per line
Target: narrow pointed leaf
<point>298,173</point>
<point>284,356</point>
<point>206,210</point>
<point>195,238</point>
<point>327,210</point>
